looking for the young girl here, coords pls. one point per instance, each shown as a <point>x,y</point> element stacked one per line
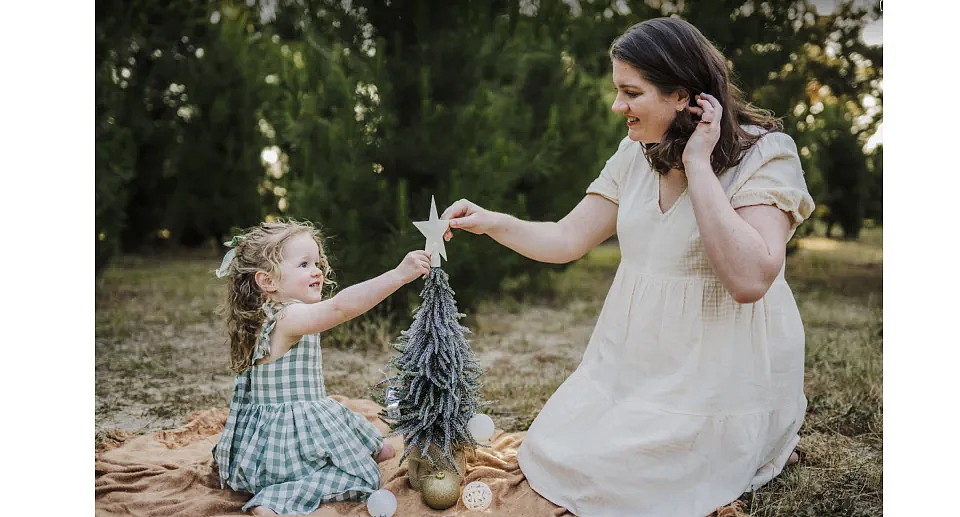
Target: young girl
<point>285,441</point>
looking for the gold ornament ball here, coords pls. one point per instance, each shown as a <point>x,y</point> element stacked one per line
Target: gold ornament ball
<point>441,490</point>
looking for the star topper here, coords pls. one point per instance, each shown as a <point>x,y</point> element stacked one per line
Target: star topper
<point>433,230</point>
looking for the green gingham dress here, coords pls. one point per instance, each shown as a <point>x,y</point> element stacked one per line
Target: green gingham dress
<point>286,442</point>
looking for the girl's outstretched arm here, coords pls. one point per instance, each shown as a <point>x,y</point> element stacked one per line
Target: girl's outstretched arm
<point>591,222</point>
<point>300,319</point>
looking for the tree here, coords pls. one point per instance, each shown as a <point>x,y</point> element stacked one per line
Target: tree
<point>363,109</point>
<point>439,379</point>
<point>412,99</point>
<point>874,209</point>
<point>840,152</point>
<point>177,145</point>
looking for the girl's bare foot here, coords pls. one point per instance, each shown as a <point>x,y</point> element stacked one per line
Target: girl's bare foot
<point>262,510</point>
<point>385,453</point>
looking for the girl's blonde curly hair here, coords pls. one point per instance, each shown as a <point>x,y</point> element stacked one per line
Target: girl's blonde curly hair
<point>259,249</point>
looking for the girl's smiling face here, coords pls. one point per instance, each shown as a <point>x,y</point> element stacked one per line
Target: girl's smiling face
<point>300,275</point>
<point>648,112</point>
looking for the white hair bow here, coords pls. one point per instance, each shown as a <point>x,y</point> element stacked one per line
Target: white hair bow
<point>228,258</point>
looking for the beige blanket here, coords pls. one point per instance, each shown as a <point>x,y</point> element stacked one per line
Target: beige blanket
<point>171,473</point>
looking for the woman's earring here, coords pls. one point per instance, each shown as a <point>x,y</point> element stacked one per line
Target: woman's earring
<point>679,108</point>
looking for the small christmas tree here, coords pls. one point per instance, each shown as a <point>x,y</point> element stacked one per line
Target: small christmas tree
<point>436,391</point>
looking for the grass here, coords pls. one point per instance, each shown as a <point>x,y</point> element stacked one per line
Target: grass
<point>160,355</point>
<point>839,289</point>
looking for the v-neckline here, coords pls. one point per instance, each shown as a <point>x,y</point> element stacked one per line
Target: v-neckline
<point>660,211</point>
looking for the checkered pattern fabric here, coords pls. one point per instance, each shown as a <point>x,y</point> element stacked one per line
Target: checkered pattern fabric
<point>287,443</point>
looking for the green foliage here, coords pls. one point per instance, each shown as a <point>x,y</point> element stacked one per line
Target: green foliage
<point>217,162</point>
<point>370,109</point>
<point>814,69</point>
<point>369,138</point>
<point>839,151</point>
<point>114,166</point>
<point>177,145</point>
<point>320,121</point>
<point>874,208</point>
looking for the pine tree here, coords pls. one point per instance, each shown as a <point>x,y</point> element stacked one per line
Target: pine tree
<point>437,387</point>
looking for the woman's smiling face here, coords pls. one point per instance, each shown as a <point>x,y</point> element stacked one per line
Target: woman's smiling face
<point>648,112</point>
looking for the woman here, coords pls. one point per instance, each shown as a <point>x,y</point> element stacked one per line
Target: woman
<point>690,391</point>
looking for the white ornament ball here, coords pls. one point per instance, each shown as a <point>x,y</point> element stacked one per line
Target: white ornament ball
<point>480,427</point>
<point>477,496</point>
<point>382,503</point>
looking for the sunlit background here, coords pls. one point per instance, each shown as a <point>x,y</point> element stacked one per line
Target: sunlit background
<point>217,115</point>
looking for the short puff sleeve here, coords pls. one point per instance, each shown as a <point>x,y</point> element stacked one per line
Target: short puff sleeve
<point>611,177</point>
<point>771,174</point>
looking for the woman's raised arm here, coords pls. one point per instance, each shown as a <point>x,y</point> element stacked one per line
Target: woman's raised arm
<point>591,222</point>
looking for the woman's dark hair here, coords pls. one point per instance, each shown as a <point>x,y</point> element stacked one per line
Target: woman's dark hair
<point>675,56</point>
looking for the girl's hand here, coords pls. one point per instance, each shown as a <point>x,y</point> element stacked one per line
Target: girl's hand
<point>413,266</point>
<point>705,137</point>
<point>468,216</point>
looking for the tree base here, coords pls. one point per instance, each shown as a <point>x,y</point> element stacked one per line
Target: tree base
<point>419,467</point>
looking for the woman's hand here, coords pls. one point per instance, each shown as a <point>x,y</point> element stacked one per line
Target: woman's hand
<point>468,216</point>
<point>705,137</point>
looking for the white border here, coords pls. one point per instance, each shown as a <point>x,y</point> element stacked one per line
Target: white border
<point>48,345</point>
<point>920,213</point>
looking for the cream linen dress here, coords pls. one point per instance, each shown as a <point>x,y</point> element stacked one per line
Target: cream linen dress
<point>685,398</point>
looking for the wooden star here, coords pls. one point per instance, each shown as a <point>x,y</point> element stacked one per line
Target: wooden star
<point>433,229</point>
